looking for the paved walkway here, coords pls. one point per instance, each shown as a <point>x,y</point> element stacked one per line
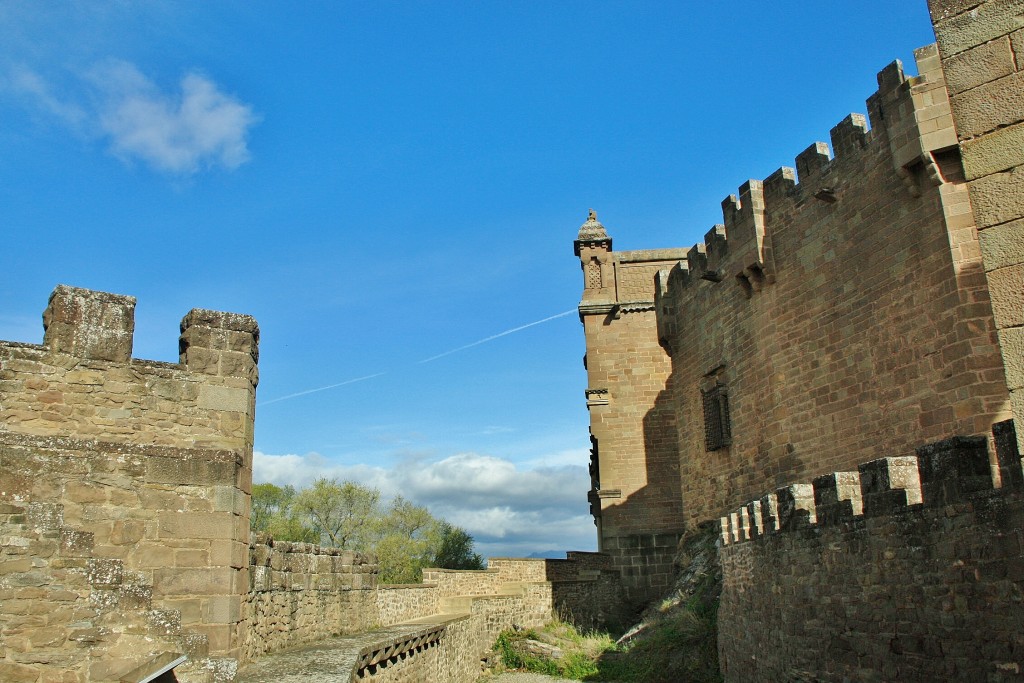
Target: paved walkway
<point>326,661</point>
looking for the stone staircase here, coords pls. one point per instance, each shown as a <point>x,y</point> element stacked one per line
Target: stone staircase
<point>67,611</point>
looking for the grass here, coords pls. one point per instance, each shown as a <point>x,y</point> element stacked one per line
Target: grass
<point>676,641</point>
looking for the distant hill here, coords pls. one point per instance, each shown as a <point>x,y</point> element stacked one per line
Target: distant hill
<point>547,555</point>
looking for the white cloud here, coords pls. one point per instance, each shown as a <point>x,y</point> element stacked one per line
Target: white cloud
<point>510,510</point>
<point>179,133</point>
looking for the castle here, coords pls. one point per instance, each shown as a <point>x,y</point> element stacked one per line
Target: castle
<point>855,321</point>
<point>833,377</point>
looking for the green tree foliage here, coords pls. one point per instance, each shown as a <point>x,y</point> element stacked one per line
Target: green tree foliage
<point>274,512</point>
<point>343,514</point>
<point>405,537</point>
<point>455,550</point>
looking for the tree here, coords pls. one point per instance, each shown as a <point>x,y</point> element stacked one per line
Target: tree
<point>455,550</point>
<point>273,512</point>
<point>405,537</point>
<point>343,515</point>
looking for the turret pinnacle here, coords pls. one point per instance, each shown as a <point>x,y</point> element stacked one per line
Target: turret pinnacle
<point>592,233</point>
<point>592,229</point>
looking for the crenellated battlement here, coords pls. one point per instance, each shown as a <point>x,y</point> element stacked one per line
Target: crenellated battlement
<point>83,380</point>
<point>910,123</point>
<point>939,474</point>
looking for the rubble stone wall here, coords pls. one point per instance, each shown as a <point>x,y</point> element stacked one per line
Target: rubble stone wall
<point>909,569</point>
<point>299,593</point>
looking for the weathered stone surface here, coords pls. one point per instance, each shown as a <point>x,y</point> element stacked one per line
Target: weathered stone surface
<point>986,21</point>
<point>980,64</point>
<point>1001,150</point>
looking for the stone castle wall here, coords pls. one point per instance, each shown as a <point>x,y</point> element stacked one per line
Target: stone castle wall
<point>908,569</point>
<point>125,485</point>
<point>841,305</point>
<point>838,313</point>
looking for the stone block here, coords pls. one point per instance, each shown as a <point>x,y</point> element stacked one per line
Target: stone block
<point>1011,474</point>
<point>219,636</point>
<point>198,581</point>
<point>224,609</point>
<point>978,65</point>
<point>996,151</point>
<point>1006,288</point>
<point>194,468</point>
<point>229,499</point>
<point>997,198</point>
<point>987,21</point>
<point>1011,340</point>
<point>224,398</point>
<point>1002,245</point>
<point>127,531</point>
<point>204,525</point>
<point>989,106</point>
<point>89,324</point>
<point>953,468</point>
<point>944,9</point>
<point>231,554</point>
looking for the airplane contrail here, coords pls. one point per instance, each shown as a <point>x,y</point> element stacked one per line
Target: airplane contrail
<point>425,360</point>
<point>313,391</point>
<point>495,336</point>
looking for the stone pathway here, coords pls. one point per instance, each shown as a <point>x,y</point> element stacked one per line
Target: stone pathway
<point>326,661</point>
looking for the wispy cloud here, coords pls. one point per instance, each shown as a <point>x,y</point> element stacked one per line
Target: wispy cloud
<point>509,509</point>
<point>179,132</point>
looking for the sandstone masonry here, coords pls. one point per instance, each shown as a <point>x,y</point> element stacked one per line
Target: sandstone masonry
<point>840,306</point>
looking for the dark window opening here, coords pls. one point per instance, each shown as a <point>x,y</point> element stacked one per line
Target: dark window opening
<point>717,432</point>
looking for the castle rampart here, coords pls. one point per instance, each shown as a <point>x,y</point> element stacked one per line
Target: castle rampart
<point>909,569</point>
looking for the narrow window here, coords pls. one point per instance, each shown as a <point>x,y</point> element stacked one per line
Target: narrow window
<point>717,433</point>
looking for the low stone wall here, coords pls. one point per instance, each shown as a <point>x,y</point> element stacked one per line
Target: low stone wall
<point>398,603</point>
<point>436,631</point>
<point>300,593</point>
<point>452,582</point>
<point>910,569</point>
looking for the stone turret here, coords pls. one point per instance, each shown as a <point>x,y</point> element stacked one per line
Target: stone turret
<point>594,247</point>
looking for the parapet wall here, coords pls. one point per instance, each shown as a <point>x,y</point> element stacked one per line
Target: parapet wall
<point>300,593</point>
<point>910,569</point>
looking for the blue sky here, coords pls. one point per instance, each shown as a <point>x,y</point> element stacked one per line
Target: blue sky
<point>380,183</point>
